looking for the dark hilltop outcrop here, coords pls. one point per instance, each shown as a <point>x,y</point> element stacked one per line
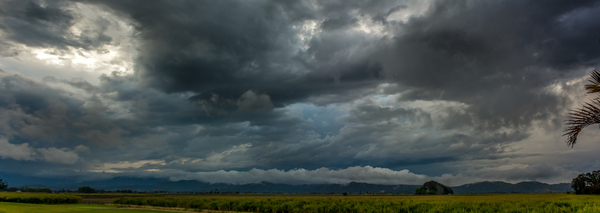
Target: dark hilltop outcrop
<point>433,188</point>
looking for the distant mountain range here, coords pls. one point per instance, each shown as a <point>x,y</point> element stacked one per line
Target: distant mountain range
<point>154,184</point>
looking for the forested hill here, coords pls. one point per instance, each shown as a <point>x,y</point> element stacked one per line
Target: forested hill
<point>152,184</point>
<point>503,187</point>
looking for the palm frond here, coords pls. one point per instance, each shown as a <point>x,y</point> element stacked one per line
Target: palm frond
<point>587,115</point>
<point>595,86</point>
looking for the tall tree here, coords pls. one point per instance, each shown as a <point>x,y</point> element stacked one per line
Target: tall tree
<point>588,114</point>
<point>588,183</point>
<point>3,184</point>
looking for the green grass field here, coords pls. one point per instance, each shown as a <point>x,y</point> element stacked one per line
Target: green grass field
<point>39,198</point>
<point>364,204</point>
<point>7,207</point>
<point>333,203</point>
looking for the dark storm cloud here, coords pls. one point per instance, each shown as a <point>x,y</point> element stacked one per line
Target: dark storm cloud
<point>187,46</point>
<point>238,84</point>
<point>34,111</point>
<point>452,52</point>
<point>498,63</point>
<point>46,24</point>
<point>338,23</point>
<point>382,17</point>
<point>44,119</point>
<point>227,48</point>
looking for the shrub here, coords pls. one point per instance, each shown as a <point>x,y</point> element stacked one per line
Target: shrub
<point>39,190</point>
<point>39,198</point>
<point>86,189</point>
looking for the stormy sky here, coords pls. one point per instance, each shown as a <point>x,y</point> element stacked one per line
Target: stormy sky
<point>332,91</point>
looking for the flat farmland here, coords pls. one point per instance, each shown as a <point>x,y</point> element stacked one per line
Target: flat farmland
<point>325,203</point>
<point>8,207</point>
<point>312,203</point>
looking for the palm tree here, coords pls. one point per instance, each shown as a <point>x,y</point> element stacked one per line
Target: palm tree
<point>588,114</point>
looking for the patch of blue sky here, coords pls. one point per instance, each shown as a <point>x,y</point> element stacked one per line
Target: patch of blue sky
<point>321,119</point>
<point>402,120</point>
<point>383,97</point>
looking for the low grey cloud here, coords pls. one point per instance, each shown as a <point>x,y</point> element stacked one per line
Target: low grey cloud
<point>16,152</point>
<point>55,155</point>
<point>375,175</point>
<point>24,152</point>
<point>252,102</point>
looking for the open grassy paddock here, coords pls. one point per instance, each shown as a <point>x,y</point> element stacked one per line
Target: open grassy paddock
<point>7,207</point>
<point>326,203</point>
<point>441,203</point>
